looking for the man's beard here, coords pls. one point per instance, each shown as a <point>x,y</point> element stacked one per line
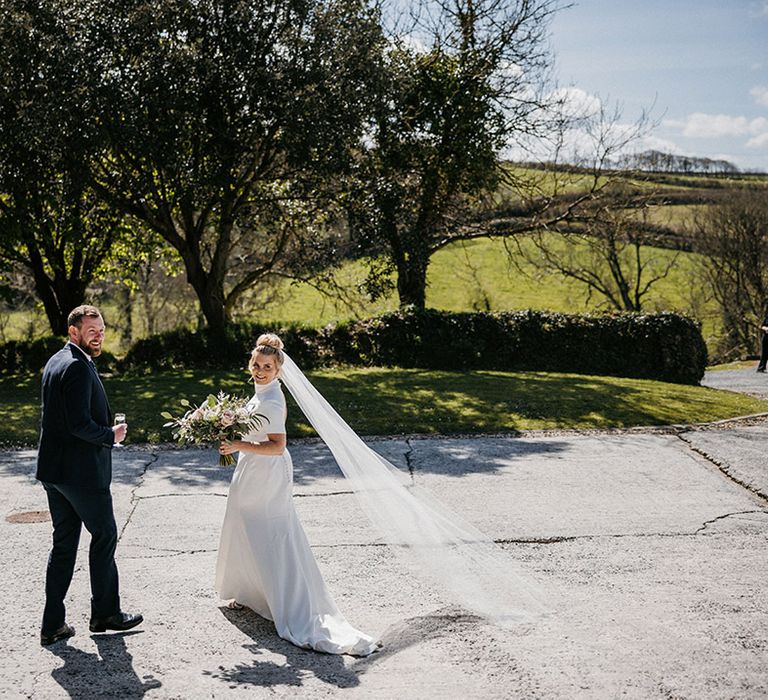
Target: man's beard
<point>87,349</point>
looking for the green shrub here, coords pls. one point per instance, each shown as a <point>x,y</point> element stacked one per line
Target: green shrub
<point>187,349</point>
<point>31,355</point>
<point>661,346</point>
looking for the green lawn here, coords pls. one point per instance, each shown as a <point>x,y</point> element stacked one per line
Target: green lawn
<point>391,401</point>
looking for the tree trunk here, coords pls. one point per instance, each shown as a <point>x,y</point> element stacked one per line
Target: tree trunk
<point>124,326</point>
<point>412,281</point>
<point>209,288</point>
<point>59,296</point>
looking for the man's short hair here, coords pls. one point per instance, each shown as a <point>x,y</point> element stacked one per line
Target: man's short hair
<point>75,317</point>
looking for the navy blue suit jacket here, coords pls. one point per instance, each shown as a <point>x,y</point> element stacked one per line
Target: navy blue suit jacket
<point>76,437</point>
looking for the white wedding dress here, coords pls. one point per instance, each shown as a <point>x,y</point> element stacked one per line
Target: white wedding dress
<point>265,561</point>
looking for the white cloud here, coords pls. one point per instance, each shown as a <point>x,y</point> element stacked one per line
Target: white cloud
<point>577,103</point>
<point>654,143</point>
<point>760,141</point>
<point>711,126</point>
<point>510,69</point>
<point>760,93</point>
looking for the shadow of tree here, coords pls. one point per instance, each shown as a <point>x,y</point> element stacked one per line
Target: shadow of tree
<point>418,401</point>
<point>328,668</point>
<point>394,400</point>
<point>127,465</point>
<point>313,461</point>
<point>109,673</point>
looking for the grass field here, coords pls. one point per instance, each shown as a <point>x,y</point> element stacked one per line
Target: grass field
<point>472,276</point>
<point>394,401</point>
<point>481,275</point>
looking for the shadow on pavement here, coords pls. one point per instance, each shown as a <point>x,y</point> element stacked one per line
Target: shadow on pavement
<point>108,673</point>
<point>327,668</point>
<point>314,462</point>
<point>416,630</point>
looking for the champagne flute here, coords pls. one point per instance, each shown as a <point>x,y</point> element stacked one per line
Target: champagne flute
<point>119,420</point>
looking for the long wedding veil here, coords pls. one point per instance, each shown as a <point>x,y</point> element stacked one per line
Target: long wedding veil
<point>439,545</point>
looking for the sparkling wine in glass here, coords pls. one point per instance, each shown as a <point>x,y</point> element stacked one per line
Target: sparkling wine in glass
<point>119,419</point>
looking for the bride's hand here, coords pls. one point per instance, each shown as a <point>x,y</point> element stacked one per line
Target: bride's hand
<point>227,447</point>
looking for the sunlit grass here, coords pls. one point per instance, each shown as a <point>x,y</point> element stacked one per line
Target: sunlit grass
<point>380,401</point>
<point>487,275</point>
<point>737,364</point>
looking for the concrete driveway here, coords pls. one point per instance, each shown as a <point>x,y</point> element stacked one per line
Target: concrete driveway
<point>745,381</point>
<point>653,545</point>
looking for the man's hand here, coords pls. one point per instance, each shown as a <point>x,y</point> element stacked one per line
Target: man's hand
<point>120,431</point>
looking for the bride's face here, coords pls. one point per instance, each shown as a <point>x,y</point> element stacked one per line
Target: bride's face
<point>264,368</point>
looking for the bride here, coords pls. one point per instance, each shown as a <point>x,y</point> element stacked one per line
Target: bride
<point>265,561</point>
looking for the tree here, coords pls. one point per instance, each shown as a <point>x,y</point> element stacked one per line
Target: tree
<point>467,79</point>
<point>224,123</point>
<point>51,223</point>
<point>733,238</point>
<point>605,248</point>
<point>597,232</point>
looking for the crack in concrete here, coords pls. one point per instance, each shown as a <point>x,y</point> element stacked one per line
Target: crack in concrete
<point>179,495</point>
<point>134,498</point>
<point>328,493</point>
<point>722,466</point>
<point>165,553</point>
<point>224,495</point>
<point>571,538</point>
<point>35,681</point>
<point>408,463</point>
<point>707,523</point>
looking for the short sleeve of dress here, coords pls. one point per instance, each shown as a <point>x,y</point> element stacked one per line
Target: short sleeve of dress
<point>274,411</point>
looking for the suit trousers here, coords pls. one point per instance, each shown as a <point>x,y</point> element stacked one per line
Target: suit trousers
<point>72,507</point>
<point>763,352</point>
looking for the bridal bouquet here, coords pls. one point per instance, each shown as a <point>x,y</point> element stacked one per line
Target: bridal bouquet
<point>220,417</point>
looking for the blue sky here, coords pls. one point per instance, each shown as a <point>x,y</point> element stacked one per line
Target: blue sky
<point>699,66</point>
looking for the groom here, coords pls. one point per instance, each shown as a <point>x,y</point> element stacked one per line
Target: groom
<point>74,464</point>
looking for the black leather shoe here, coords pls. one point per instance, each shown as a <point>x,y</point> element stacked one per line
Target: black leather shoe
<point>119,622</point>
<point>64,632</point>
<point>761,370</point>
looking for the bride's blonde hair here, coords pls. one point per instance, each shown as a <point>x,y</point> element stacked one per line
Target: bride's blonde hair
<point>268,344</point>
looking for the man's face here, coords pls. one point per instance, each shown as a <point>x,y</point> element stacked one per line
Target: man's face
<point>89,336</point>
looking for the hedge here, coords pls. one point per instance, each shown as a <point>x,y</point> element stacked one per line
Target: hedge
<point>31,355</point>
<point>662,346</point>
<point>187,349</point>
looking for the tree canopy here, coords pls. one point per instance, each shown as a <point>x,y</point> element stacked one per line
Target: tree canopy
<point>52,224</point>
<point>469,79</point>
<point>218,118</point>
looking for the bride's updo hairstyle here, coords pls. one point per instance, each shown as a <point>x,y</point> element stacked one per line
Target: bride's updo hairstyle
<point>268,344</point>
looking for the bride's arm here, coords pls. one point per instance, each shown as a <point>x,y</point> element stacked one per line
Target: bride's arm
<point>273,445</point>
